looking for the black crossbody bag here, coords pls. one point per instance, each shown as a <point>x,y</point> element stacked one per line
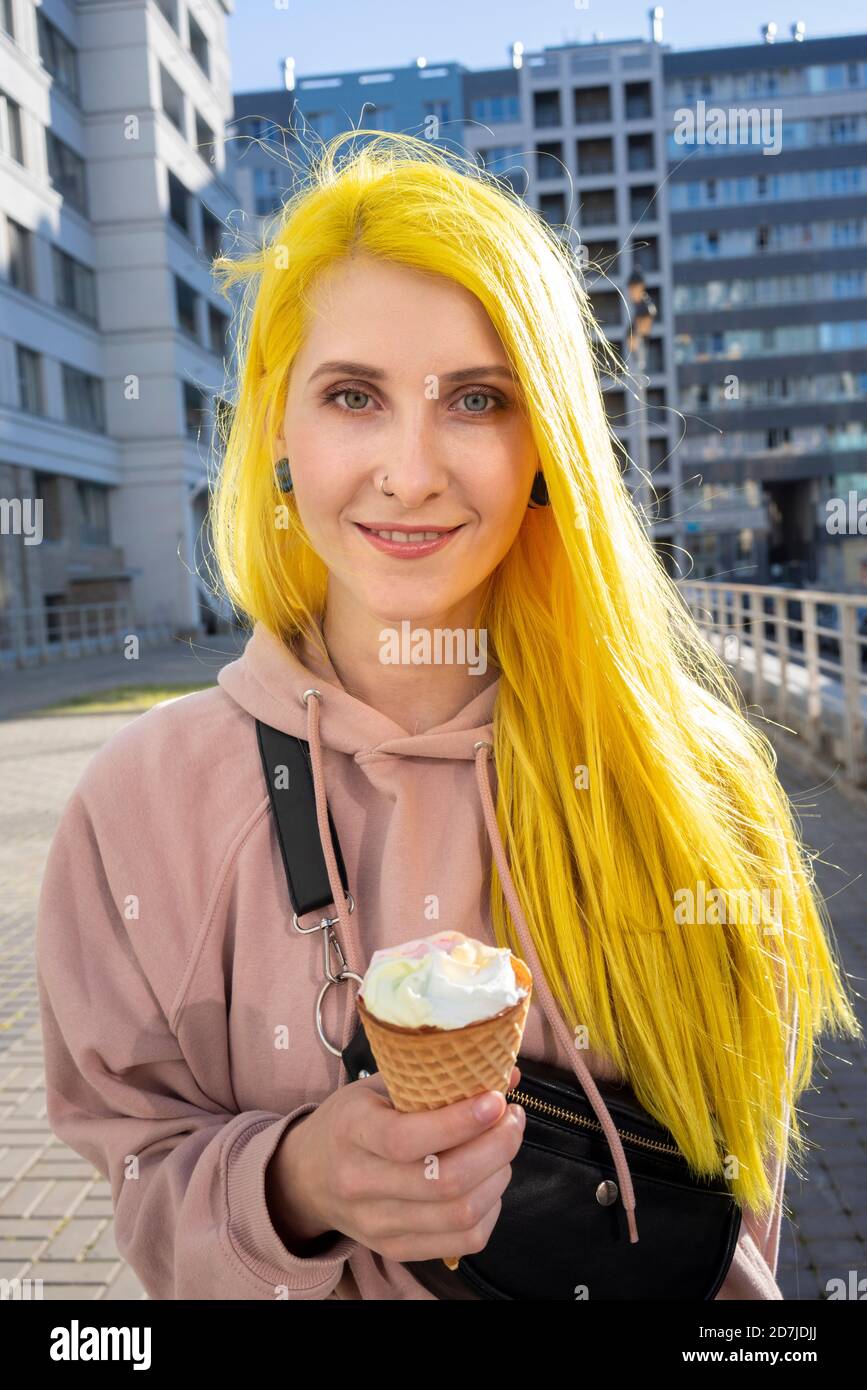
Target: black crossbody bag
<point>562,1231</point>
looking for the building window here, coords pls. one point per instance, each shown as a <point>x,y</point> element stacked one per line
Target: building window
<point>439,109</point>
<point>66,170</point>
<point>549,160</point>
<point>552,206</point>
<point>324,123</point>
<point>82,399</point>
<point>6,18</point>
<point>639,152</point>
<point>638,101</point>
<point>58,56</point>
<point>169,11</point>
<point>592,104</point>
<point>46,486</point>
<point>602,256</point>
<point>378,118</point>
<point>655,360</point>
<point>607,307</point>
<point>494,110</point>
<point>504,162</point>
<point>224,413</point>
<point>179,203</point>
<point>199,46</point>
<point>74,285</point>
<point>659,453</point>
<point>267,191</point>
<point>546,109</point>
<point>598,208</point>
<point>30,397</point>
<point>218,327</point>
<point>212,234</point>
<point>596,156</point>
<point>10,129</point>
<point>20,257</point>
<point>172,100</point>
<point>204,139</point>
<point>195,408</point>
<point>185,301</point>
<point>642,203</point>
<point>93,528</point>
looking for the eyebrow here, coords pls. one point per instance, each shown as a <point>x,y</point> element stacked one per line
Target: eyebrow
<point>377,373</point>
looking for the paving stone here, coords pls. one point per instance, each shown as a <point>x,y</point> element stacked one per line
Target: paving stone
<point>73,1271</point>
<point>75,1238</point>
<point>72,1292</point>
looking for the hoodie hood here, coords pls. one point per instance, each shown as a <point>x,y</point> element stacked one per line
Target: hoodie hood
<point>269,678</point>
<point>269,681</point>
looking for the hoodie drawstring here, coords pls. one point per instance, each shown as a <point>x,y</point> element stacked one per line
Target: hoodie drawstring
<point>349,942</point>
<point>352,949</point>
<point>548,1002</point>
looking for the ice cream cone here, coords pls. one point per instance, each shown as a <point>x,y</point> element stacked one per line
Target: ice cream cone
<point>426,1068</point>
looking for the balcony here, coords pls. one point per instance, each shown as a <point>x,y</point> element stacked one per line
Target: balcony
<point>799,655</point>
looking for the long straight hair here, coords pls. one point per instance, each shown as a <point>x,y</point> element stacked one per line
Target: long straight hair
<point>628,777</point>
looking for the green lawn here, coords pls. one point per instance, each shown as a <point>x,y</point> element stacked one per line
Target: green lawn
<point>120,698</point>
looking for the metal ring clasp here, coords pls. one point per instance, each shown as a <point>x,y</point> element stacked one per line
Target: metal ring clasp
<point>344,975</point>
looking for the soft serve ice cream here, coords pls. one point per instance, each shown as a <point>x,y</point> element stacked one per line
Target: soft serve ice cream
<point>443,981</point>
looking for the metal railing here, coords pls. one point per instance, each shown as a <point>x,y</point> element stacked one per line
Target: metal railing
<point>29,636</point>
<point>800,655</point>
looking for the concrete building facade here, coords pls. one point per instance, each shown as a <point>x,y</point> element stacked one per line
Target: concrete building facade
<point>114,195</point>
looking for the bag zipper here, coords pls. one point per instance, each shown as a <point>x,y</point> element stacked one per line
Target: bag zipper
<point>523,1098</point>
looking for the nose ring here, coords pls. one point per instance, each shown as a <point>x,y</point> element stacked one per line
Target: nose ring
<point>382,488</point>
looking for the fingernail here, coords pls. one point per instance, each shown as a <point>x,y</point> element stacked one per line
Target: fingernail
<point>487,1106</point>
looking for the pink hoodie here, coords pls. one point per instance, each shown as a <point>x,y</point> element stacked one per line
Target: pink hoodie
<point>169,968</point>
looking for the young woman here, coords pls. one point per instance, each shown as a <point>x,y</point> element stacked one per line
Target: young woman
<point>415,357</point>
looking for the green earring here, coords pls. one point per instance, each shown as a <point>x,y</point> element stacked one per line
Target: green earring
<point>284,477</point>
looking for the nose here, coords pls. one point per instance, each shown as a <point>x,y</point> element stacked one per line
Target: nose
<point>415,461</point>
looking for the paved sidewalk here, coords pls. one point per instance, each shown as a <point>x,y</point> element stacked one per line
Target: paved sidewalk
<point>173,663</point>
<point>55,1209</point>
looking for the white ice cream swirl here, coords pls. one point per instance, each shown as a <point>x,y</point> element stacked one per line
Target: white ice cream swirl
<point>442,981</point>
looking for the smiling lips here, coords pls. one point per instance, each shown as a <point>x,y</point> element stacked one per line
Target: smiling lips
<point>404,541</point>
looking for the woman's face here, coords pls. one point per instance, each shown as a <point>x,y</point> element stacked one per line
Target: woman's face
<point>403,374</point>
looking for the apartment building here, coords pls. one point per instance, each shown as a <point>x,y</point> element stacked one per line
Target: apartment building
<point>767,150</point>
<point>113,200</point>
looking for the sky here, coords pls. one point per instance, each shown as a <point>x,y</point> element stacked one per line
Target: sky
<point>347,35</point>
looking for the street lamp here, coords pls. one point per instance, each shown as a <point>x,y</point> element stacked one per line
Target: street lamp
<point>642,319</point>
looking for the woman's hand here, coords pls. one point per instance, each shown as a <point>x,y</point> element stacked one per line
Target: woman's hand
<point>409,1186</point>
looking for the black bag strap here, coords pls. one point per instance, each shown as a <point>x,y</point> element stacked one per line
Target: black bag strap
<point>289,778</point>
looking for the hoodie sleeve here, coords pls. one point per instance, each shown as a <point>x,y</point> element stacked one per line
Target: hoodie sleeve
<point>187,1173</point>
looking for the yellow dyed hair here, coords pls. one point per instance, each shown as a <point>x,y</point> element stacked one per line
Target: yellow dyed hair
<point>602,667</point>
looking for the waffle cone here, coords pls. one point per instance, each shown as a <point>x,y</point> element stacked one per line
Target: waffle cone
<point>427,1068</point>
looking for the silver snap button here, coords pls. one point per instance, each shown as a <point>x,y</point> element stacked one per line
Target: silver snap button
<point>363,1073</point>
<point>606,1193</point>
